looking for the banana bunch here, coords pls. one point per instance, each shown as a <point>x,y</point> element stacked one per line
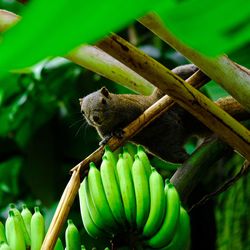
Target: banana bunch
<point>23,230</point>
<point>127,195</point>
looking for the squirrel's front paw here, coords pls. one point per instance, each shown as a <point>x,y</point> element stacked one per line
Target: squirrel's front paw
<point>105,140</point>
<point>119,133</point>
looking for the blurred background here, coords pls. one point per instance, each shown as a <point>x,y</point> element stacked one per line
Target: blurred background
<point>43,135</point>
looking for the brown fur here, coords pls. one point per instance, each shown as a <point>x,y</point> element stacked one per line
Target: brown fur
<point>164,137</point>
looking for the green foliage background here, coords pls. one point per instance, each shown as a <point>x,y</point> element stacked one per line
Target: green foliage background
<point>43,135</point>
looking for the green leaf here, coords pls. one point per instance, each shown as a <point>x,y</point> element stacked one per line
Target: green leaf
<point>11,5</point>
<point>55,27</point>
<point>212,27</point>
<point>231,211</point>
<point>11,116</point>
<point>214,91</point>
<point>9,172</point>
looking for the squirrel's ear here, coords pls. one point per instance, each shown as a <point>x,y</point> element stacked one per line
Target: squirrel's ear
<point>105,92</point>
<point>80,100</point>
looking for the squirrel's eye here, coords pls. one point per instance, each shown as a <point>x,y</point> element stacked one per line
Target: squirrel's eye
<point>82,112</point>
<point>103,101</point>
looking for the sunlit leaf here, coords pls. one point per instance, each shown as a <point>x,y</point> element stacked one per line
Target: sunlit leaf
<point>55,27</point>
<point>212,27</point>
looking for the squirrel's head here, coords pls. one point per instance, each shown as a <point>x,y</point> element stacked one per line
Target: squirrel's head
<point>95,107</point>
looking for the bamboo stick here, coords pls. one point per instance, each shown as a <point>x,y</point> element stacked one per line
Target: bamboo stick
<point>231,76</point>
<point>220,122</point>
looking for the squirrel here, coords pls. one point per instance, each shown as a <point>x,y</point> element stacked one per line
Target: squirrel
<point>165,137</point>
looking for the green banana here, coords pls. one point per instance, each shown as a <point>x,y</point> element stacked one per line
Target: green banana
<point>127,157</point>
<point>26,215</point>
<point>127,189</point>
<point>112,159</point>
<point>37,229</point>
<point>142,195</point>
<point>144,158</point>
<point>132,149</point>
<point>157,204</point>
<point>2,233</point>
<point>181,240</point>
<point>72,236</point>
<point>168,228</point>
<point>4,246</point>
<point>22,224</point>
<point>58,245</point>
<point>94,213</point>
<point>14,232</point>
<point>88,223</point>
<point>99,197</point>
<point>160,164</point>
<point>112,190</point>
<point>110,155</point>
